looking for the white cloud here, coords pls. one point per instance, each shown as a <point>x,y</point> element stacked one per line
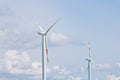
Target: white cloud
<point>16,63</point>
<point>102,66</point>
<point>118,64</point>
<point>64,71</point>
<point>58,38</point>
<point>82,69</point>
<point>69,77</point>
<point>63,74</point>
<point>35,65</point>
<point>3,79</point>
<point>74,78</point>
<point>112,77</point>
<point>61,70</point>
<point>56,67</point>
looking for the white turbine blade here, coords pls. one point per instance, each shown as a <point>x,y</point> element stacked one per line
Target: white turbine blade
<point>89,48</point>
<point>51,26</point>
<point>40,33</point>
<point>46,49</point>
<point>88,66</point>
<point>46,45</point>
<point>40,27</point>
<point>92,61</point>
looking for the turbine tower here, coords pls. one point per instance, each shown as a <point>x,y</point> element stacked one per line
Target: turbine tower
<point>43,33</point>
<point>89,59</point>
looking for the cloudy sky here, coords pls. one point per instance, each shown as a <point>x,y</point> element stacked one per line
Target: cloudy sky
<point>97,21</point>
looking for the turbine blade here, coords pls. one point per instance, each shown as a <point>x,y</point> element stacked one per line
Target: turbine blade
<point>47,60</point>
<point>88,66</point>
<point>92,61</point>
<point>40,33</point>
<point>46,49</point>
<point>51,26</point>
<point>40,27</point>
<point>46,45</point>
<point>89,48</point>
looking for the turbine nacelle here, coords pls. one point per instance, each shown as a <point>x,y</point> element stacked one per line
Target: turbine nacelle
<point>90,60</point>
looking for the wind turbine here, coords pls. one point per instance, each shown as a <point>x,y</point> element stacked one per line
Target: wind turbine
<point>43,33</point>
<point>89,59</point>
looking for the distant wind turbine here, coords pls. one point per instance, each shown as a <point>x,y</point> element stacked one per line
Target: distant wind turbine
<point>89,59</point>
<point>43,33</point>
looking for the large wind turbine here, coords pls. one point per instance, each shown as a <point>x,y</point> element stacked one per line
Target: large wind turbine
<point>89,59</point>
<point>43,33</point>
